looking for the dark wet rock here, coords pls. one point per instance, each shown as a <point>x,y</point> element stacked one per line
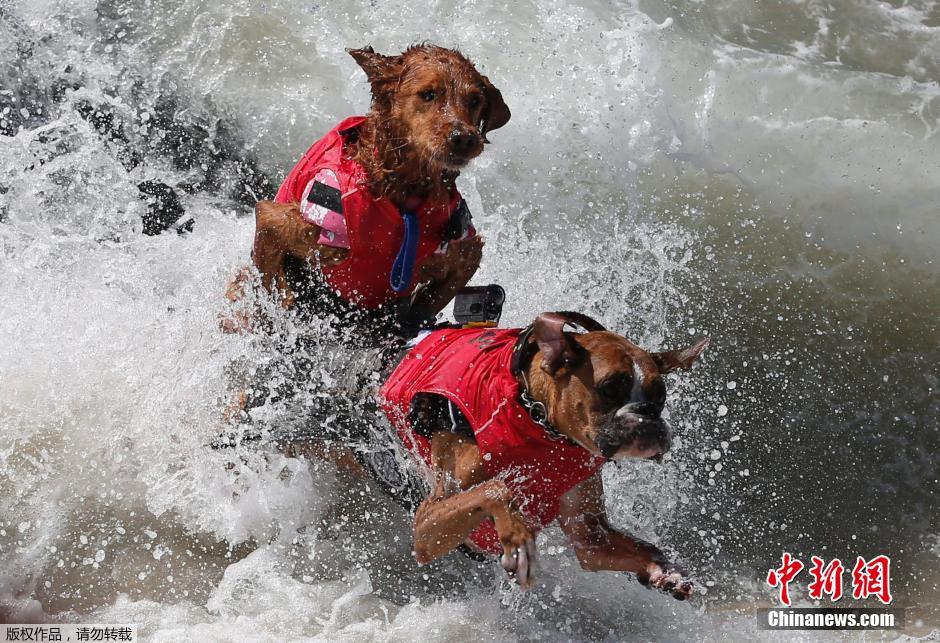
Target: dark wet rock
<point>164,209</point>
<point>208,147</point>
<point>110,126</point>
<point>147,124</point>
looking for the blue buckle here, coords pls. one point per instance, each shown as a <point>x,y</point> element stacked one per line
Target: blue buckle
<point>404,265</point>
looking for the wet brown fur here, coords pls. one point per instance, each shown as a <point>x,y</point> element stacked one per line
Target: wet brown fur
<point>404,143</point>
<point>570,393</point>
<point>464,494</point>
<point>419,99</point>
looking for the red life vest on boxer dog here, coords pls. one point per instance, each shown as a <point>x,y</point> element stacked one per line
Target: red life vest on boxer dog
<point>374,226</point>
<point>471,368</point>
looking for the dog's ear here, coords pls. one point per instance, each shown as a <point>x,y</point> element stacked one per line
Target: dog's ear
<point>683,358</point>
<point>558,349</point>
<point>580,319</point>
<point>379,69</point>
<point>496,113</point>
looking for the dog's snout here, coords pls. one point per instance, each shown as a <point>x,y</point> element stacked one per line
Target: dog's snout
<point>644,409</point>
<point>461,141</point>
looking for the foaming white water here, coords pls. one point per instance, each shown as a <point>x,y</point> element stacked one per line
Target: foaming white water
<point>258,599</point>
<point>597,88</point>
<point>112,371</point>
<point>113,382</point>
<point>112,507</point>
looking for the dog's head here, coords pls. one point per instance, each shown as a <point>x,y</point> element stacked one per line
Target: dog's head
<point>436,100</point>
<point>603,391</point>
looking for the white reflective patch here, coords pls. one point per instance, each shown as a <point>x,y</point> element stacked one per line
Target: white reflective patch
<point>332,224</point>
<point>313,212</point>
<point>414,342</point>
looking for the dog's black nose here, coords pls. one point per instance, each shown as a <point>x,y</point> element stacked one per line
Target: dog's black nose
<point>461,141</point>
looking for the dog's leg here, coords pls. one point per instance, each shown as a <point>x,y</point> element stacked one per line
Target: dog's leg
<point>446,518</point>
<point>599,546</point>
<point>240,319</point>
<point>447,274</point>
<point>272,227</point>
<point>342,457</point>
<point>280,231</point>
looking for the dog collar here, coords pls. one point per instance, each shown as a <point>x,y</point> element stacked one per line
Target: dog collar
<point>536,410</point>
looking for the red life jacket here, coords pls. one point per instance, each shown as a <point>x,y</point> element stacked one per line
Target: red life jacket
<point>471,368</point>
<point>374,226</point>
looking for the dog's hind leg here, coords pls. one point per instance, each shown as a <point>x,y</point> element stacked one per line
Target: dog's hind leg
<point>342,457</point>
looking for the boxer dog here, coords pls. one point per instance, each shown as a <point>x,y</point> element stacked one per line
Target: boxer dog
<point>515,425</point>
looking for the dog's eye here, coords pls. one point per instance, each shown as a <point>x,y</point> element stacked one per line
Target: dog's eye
<point>474,101</point>
<point>615,389</point>
<point>428,95</point>
<point>657,393</point>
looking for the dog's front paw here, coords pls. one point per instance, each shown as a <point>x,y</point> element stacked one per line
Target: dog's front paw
<point>435,268</point>
<point>518,542</point>
<point>465,254</point>
<point>665,576</point>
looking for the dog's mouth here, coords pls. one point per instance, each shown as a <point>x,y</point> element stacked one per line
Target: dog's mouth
<point>458,161</point>
<point>631,435</point>
<point>456,156</point>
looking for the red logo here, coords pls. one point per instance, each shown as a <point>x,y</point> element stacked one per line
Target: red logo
<point>870,578</point>
<point>782,576</point>
<point>826,580</point>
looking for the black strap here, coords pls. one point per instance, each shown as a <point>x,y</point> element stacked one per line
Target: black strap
<point>329,197</point>
<point>522,352</point>
<point>459,222</point>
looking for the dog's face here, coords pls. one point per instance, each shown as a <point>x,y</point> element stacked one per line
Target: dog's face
<point>608,394</point>
<point>436,100</point>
